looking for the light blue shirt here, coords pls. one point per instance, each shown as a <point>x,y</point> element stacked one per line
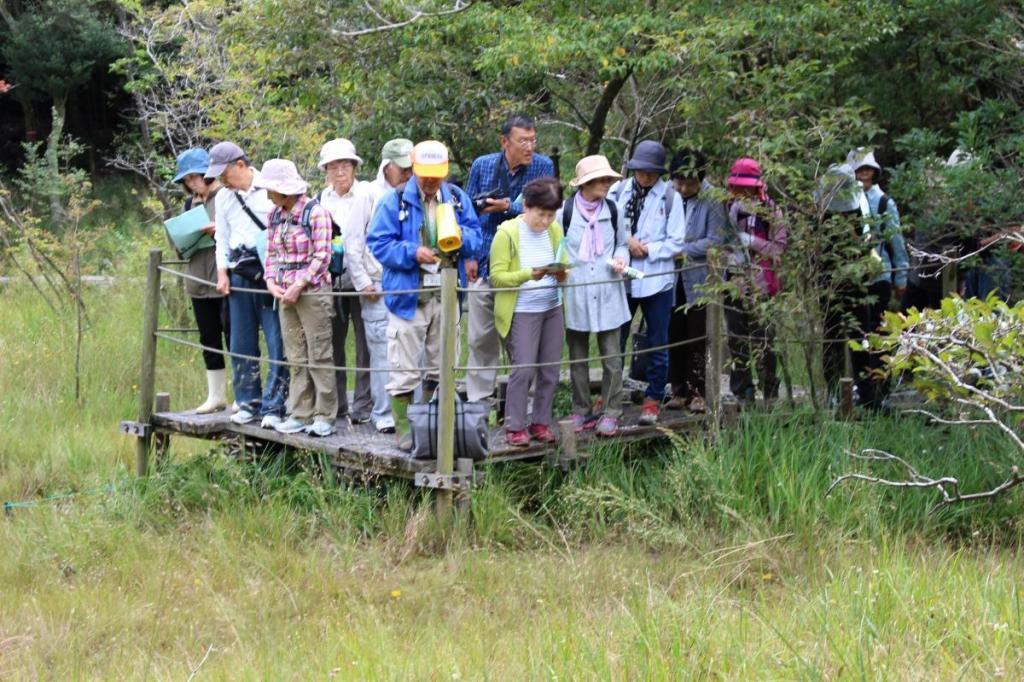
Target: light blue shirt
<point>662,235</point>
<point>890,240</point>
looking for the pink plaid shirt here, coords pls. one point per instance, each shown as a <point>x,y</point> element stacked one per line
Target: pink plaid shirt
<point>291,255</point>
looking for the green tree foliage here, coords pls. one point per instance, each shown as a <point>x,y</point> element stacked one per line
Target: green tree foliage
<point>52,47</point>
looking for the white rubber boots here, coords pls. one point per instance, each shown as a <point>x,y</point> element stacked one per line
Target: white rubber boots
<point>217,391</point>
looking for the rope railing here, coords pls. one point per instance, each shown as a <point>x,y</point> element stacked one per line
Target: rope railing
<point>589,358</point>
<point>161,333</point>
<point>282,363</point>
<point>264,292</point>
<point>570,285</point>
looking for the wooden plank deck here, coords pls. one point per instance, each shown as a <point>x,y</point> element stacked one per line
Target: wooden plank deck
<point>360,447</point>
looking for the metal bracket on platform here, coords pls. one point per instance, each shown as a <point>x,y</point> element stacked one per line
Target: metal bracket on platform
<point>136,429</point>
<point>458,482</point>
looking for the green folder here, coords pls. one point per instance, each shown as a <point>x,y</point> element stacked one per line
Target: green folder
<point>186,231</point>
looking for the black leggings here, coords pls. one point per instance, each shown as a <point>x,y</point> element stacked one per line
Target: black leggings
<point>212,320</point>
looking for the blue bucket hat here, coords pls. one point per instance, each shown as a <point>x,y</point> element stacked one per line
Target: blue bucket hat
<point>192,161</point>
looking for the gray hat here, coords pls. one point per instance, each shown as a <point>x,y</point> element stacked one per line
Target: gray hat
<point>648,156</point>
<point>839,187</point>
<point>861,157</point>
<point>222,155</point>
<point>398,152</point>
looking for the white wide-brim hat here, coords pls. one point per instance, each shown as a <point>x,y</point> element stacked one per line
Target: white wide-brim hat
<point>281,176</point>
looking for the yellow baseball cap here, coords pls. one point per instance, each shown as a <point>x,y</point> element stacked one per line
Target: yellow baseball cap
<point>430,159</point>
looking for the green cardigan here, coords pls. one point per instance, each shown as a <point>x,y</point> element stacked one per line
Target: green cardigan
<point>506,272</point>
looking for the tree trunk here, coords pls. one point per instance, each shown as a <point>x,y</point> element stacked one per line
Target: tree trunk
<point>53,160</point>
<point>597,124</point>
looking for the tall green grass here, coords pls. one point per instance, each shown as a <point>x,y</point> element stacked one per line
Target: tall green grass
<point>690,559</point>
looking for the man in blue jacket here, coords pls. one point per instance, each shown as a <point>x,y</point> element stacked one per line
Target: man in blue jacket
<point>403,237</point>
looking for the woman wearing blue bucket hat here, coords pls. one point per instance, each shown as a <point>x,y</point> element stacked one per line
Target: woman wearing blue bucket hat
<point>209,306</point>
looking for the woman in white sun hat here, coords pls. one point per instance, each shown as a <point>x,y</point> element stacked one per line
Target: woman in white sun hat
<point>298,256</point>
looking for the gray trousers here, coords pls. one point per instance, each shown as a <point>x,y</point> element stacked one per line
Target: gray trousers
<point>611,371</point>
<point>347,308</point>
<point>534,337</point>
<point>484,342</point>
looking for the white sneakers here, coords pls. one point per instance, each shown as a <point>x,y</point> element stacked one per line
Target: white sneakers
<point>216,392</point>
<point>289,425</point>
<point>386,424</point>
<point>271,421</point>
<point>243,416</point>
<point>320,427</point>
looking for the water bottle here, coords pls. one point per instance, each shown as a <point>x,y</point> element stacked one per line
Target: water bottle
<point>629,271</point>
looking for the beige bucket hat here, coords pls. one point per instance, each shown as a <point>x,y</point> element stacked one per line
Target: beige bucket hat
<point>591,168</point>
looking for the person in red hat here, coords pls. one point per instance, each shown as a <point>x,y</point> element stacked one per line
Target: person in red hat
<point>757,243</point>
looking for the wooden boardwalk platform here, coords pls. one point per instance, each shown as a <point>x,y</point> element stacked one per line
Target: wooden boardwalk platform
<point>361,449</point>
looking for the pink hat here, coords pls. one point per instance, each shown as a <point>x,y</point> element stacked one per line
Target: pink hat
<point>745,172</point>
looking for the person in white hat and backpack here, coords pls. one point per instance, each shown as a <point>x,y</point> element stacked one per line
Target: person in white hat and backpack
<point>351,206</point>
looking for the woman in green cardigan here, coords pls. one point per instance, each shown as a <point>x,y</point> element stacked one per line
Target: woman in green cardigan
<point>524,254</point>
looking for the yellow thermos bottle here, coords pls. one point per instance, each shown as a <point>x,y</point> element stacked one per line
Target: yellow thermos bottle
<point>449,236</point>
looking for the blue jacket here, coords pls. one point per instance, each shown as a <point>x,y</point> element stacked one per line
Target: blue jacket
<point>393,239</point>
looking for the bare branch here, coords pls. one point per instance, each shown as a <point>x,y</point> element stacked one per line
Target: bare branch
<point>388,25</point>
<point>917,481</point>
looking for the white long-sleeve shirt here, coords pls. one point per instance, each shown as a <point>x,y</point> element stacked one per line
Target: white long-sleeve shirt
<point>234,227</point>
<point>352,213</point>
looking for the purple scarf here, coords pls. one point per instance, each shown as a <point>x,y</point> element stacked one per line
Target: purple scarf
<point>592,243</point>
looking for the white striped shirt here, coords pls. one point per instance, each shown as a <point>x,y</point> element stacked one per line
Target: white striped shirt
<point>535,252</point>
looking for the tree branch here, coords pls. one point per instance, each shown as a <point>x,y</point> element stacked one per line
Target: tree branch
<point>417,15</point>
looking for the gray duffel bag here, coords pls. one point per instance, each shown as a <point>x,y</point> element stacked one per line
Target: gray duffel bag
<point>471,429</point>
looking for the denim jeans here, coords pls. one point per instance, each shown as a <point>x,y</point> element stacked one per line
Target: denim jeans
<point>657,310</point>
<point>249,312</point>
<point>375,321</point>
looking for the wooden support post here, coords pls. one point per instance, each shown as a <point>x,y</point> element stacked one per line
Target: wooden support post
<point>446,386</point>
<point>716,352</point>
<point>147,364</point>
<point>464,466</point>
<point>846,397</point>
<point>162,441</point>
<point>949,282</point>
<point>567,444</point>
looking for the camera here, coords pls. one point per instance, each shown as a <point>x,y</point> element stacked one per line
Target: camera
<point>480,200</point>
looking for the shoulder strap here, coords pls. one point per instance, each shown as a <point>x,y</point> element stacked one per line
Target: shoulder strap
<point>669,198</point>
<point>335,228</point>
<point>883,204</point>
<point>305,219</point>
<point>454,194</point>
<point>245,207</point>
<point>403,207</point>
<point>614,209</point>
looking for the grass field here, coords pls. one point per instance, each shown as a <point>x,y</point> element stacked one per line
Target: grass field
<point>686,561</point>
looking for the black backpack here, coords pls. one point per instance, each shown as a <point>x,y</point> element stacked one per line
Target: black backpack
<point>567,209</point>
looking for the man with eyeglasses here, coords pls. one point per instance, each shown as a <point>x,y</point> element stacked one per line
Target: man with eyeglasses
<point>242,215</point>
<point>495,183</point>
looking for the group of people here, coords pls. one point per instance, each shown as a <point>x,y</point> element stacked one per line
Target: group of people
<point>541,268</point>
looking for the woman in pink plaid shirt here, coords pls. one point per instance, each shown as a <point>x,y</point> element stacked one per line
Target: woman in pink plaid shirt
<point>298,254</point>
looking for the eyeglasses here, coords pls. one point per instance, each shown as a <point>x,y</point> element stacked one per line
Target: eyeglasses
<point>525,143</point>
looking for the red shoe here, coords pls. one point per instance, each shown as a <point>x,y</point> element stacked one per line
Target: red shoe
<point>518,439</point>
<point>649,412</point>
<point>542,433</point>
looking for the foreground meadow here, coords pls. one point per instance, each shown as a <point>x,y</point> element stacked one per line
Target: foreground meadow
<point>685,561</point>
